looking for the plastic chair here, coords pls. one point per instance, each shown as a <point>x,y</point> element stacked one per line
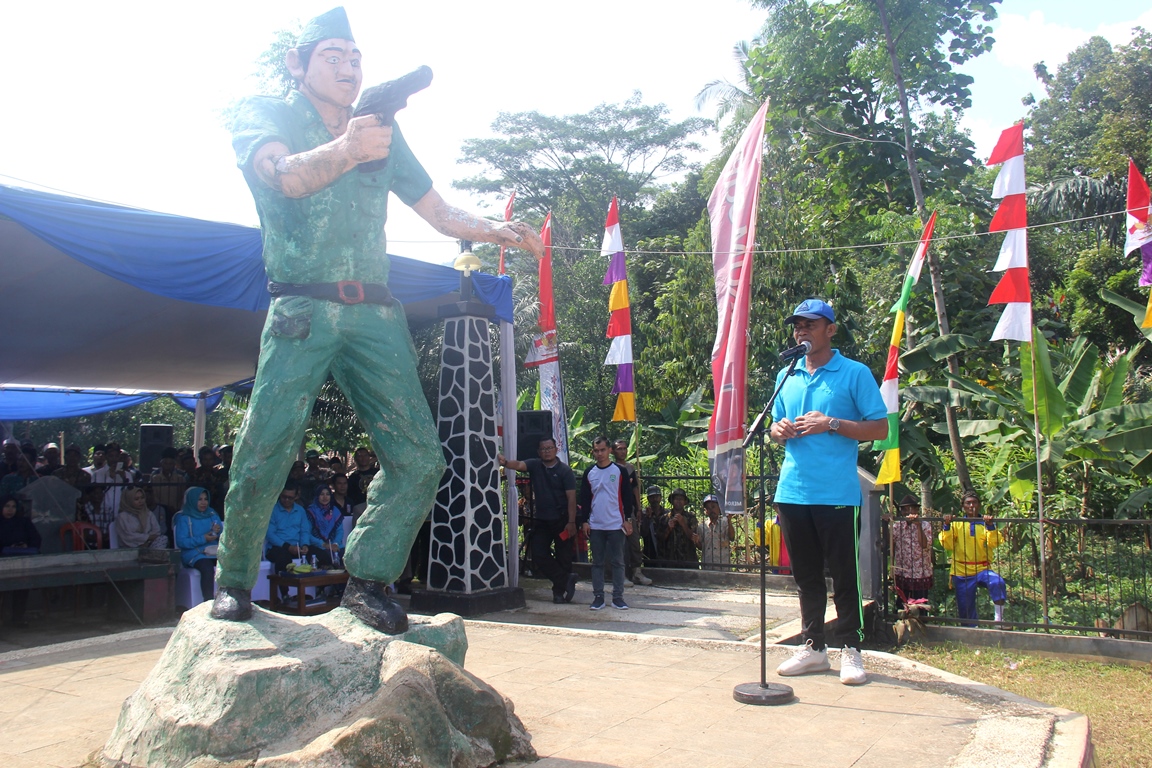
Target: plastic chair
<point>113,537</point>
<point>77,533</point>
<point>188,592</point>
<point>260,589</point>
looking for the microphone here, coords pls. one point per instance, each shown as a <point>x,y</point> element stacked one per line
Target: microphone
<point>799,350</point>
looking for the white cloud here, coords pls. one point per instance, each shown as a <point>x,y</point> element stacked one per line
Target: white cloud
<point>1022,41</point>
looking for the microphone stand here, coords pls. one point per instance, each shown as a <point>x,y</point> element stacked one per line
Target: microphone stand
<point>764,692</point>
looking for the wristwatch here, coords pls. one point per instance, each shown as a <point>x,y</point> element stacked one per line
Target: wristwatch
<point>833,425</point>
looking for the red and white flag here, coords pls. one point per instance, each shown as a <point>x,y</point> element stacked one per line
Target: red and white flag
<point>543,349</point>
<point>507,217</point>
<point>732,211</point>
<point>544,354</point>
<point>1011,217</point>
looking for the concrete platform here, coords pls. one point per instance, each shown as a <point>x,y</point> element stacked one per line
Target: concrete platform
<point>657,694</point>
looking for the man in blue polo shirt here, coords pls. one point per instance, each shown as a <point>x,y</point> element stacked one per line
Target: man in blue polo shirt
<point>823,412</point>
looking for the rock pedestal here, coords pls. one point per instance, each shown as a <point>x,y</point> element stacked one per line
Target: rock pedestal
<point>313,691</point>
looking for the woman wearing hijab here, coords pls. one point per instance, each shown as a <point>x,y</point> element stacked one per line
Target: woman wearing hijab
<point>327,527</point>
<point>18,536</point>
<point>136,526</point>
<point>196,529</point>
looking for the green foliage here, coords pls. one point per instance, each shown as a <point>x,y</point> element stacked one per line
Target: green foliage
<point>1104,324</point>
<point>573,165</point>
<point>272,75</point>
<point>1087,435</point>
<point>826,69</point>
<point>1096,114</point>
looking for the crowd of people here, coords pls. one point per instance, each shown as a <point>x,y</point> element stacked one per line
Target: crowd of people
<point>180,503</point>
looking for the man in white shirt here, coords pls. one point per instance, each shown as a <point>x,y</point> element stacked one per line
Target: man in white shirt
<point>606,501</point>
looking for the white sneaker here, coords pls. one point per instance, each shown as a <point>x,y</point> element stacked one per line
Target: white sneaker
<point>804,661</point>
<point>640,578</point>
<point>852,667</point>
<point>628,584</point>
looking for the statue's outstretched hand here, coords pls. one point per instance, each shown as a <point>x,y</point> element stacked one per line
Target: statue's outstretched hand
<point>525,237</point>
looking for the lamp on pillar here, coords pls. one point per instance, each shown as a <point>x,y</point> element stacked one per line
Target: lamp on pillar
<point>468,555</point>
<point>465,264</point>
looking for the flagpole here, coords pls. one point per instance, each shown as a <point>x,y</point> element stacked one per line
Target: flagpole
<point>1039,485</point>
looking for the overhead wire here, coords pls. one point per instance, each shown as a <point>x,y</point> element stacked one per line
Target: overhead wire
<point>822,249</point>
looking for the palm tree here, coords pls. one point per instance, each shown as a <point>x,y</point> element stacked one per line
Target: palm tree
<point>1083,197</point>
<point>737,100</point>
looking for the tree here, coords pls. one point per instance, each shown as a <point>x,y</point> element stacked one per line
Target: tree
<point>1096,112</point>
<point>574,164</point>
<point>839,71</point>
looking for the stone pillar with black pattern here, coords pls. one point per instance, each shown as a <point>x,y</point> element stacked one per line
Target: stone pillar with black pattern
<point>468,572</point>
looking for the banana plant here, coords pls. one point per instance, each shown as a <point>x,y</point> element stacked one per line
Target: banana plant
<point>1070,404</point>
<point>681,425</point>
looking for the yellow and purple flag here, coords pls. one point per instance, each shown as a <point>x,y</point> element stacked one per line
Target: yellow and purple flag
<point>890,387</point>
<point>620,319</point>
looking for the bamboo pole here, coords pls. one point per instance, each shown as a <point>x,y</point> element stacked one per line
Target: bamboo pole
<point>1039,486</point>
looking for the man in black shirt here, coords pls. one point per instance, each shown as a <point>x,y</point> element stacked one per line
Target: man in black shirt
<point>554,525</point>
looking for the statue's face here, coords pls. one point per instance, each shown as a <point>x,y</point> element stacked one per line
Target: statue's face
<point>333,75</point>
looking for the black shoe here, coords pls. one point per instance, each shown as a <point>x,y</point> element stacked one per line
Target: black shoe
<point>571,591</point>
<point>558,599</point>
<point>369,602</point>
<point>232,604</point>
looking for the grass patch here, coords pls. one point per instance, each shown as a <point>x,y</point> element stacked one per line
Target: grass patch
<point>1116,698</point>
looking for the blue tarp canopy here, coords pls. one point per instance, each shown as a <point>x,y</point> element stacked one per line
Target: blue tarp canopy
<point>103,297</point>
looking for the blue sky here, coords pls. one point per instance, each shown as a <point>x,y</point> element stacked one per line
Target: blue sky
<point>120,100</point>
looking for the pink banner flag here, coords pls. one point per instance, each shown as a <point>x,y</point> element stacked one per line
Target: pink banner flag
<point>732,211</point>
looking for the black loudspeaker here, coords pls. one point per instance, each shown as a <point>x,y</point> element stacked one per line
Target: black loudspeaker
<point>154,438</point>
<point>531,428</point>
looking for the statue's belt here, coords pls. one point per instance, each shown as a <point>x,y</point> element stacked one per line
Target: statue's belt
<point>343,292</point>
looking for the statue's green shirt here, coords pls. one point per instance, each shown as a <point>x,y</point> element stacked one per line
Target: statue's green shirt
<point>337,233</point>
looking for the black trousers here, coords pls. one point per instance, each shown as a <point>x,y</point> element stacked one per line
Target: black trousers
<point>633,555</point>
<point>545,538</point>
<point>280,557</point>
<point>819,537</point>
<point>207,568</point>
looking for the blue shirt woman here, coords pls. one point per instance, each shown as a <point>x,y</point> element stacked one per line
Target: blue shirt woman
<point>196,530</point>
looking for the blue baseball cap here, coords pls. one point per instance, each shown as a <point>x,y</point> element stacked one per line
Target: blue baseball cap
<point>812,309</point>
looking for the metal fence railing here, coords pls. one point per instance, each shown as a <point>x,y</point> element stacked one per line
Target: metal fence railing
<point>744,550</point>
<point>1073,576</point>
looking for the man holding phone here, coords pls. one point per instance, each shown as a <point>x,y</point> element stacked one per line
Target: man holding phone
<point>552,540</point>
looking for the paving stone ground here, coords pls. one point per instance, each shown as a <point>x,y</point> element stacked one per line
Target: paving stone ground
<point>651,686</point>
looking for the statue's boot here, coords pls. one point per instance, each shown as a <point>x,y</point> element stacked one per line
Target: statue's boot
<point>369,601</point>
<point>232,604</point>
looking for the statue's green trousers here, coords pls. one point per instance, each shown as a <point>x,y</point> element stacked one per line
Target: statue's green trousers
<point>369,351</point>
